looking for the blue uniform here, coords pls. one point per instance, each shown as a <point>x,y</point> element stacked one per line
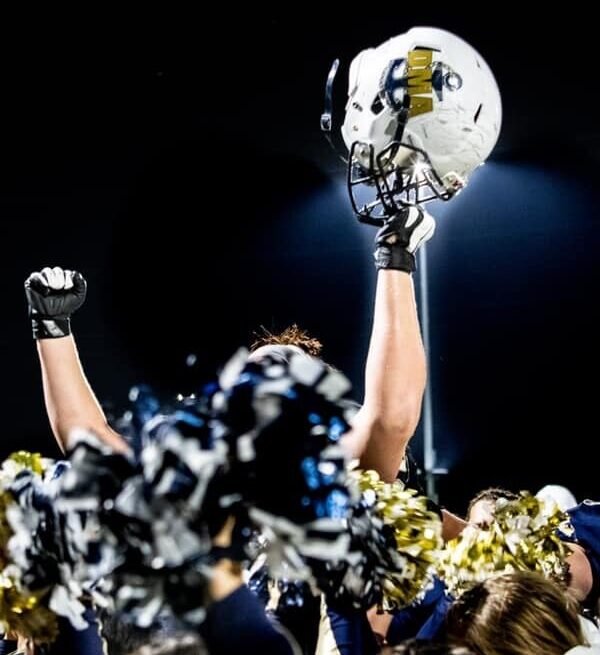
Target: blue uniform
<point>585,520</point>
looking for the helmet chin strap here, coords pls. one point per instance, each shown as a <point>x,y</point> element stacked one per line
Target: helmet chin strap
<point>403,116</point>
<point>327,115</point>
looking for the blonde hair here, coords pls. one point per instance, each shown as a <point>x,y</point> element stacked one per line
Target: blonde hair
<point>515,614</point>
<point>291,336</point>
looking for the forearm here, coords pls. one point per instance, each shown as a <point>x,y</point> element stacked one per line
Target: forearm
<point>395,376</point>
<point>452,525</point>
<point>395,372</point>
<point>70,402</point>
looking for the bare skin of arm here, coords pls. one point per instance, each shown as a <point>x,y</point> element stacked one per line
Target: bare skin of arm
<point>226,575</point>
<point>452,525</point>
<point>394,379</point>
<point>70,401</point>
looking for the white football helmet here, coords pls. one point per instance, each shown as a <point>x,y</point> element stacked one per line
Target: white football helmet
<point>423,112</point>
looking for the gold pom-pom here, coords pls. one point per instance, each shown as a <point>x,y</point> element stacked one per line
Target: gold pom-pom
<point>21,611</point>
<point>21,460</point>
<point>5,531</point>
<point>522,537</point>
<point>26,460</point>
<point>24,612</point>
<point>418,538</point>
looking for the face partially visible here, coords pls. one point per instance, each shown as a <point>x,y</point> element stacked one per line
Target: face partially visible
<point>280,353</point>
<point>482,513</point>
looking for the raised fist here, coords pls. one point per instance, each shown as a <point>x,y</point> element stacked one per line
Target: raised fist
<point>53,294</point>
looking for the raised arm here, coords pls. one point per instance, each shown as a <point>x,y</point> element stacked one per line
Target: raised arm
<point>53,295</point>
<point>395,374</point>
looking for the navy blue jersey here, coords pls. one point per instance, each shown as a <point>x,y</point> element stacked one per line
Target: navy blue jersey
<point>585,520</point>
<point>238,624</point>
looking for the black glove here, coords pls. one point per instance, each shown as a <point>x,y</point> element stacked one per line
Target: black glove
<point>399,238</point>
<point>53,295</point>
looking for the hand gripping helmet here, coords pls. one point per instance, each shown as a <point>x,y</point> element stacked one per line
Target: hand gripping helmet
<point>423,112</point>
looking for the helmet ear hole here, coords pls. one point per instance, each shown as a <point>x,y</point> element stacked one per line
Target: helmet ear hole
<point>377,106</point>
<point>477,113</point>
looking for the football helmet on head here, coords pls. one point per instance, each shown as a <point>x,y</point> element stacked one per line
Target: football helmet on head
<point>423,112</point>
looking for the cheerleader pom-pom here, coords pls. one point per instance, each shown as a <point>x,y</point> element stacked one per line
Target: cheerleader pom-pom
<point>395,542</point>
<point>143,524</point>
<point>27,571</point>
<point>282,421</point>
<point>522,537</point>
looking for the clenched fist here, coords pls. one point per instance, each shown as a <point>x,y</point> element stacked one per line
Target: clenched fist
<point>53,294</point>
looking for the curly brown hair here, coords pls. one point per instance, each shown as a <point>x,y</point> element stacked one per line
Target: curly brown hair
<point>291,336</point>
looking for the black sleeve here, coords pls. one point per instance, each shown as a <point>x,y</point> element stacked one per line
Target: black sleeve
<point>238,624</point>
<point>77,642</point>
<point>7,646</point>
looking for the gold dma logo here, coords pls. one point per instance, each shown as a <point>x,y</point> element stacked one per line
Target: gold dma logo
<point>419,79</point>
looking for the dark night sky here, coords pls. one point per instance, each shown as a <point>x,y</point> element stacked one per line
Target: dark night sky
<point>176,160</point>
